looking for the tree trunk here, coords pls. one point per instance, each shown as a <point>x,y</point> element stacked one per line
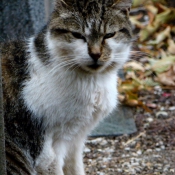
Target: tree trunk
<point>2,137</point>
<point>20,19</point>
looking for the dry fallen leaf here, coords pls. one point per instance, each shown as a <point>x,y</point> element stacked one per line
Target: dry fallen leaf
<point>160,66</point>
<point>148,31</point>
<point>165,17</point>
<point>167,78</point>
<point>134,66</point>
<point>135,21</point>
<point>162,36</point>
<point>137,3</point>
<point>171,48</point>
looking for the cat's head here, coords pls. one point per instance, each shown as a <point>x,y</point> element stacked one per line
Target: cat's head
<point>92,35</point>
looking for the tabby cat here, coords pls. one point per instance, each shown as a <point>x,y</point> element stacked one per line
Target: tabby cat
<point>60,83</point>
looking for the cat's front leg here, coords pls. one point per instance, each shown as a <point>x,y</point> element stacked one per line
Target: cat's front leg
<point>60,148</point>
<point>74,159</point>
<point>47,156</point>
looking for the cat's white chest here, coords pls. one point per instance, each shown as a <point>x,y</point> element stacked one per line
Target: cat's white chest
<point>70,103</point>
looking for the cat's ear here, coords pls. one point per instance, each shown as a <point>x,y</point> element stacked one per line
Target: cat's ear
<point>123,5</point>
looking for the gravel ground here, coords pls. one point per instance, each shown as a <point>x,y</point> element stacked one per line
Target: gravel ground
<point>150,151</point>
<point>143,155</point>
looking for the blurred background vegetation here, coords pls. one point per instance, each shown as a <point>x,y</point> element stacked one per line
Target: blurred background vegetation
<point>152,60</point>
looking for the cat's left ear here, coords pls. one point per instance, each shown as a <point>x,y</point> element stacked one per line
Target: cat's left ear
<point>123,5</point>
<point>64,3</point>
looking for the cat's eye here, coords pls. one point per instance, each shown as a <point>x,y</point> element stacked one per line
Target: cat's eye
<point>61,31</point>
<point>109,35</point>
<point>78,36</point>
<point>125,31</point>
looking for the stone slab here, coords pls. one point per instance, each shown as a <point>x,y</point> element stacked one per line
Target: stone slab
<point>120,122</point>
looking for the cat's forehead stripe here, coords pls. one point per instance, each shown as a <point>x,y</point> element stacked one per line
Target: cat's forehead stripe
<point>93,26</point>
<point>87,31</point>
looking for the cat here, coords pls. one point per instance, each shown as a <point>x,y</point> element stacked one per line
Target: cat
<point>59,84</point>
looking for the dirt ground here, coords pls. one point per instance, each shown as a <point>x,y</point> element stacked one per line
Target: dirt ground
<point>150,151</point>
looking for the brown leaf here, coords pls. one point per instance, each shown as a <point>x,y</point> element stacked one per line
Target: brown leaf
<point>135,21</point>
<point>165,17</point>
<point>162,36</point>
<point>134,66</point>
<point>137,3</point>
<point>160,66</point>
<point>132,102</point>
<point>152,11</point>
<point>148,31</point>
<point>171,47</point>
<point>167,78</point>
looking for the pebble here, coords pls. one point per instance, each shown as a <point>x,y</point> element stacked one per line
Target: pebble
<point>172,108</point>
<point>127,148</point>
<point>146,125</point>
<point>87,150</point>
<point>135,164</point>
<point>172,170</point>
<point>126,165</point>
<point>162,115</point>
<point>109,150</point>
<point>123,155</point>
<point>103,143</point>
<point>151,105</point>
<point>149,150</point>
<point>156,156</point>
<point>162,108</point>
<point>158,88</point>
<point>139,152</point>
<point>100,173</point>
<point>150,119</point>
<point>162,147</point>
<point>158,165</point>
<point>134,154</point>
<point>107,159</point>
<point>161,143</point>
<point>119,170</point>
<point>158,149</point>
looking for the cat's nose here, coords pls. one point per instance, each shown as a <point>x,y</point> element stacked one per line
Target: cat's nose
<point>95,56</point>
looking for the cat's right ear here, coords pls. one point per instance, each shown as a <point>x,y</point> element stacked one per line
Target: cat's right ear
<point>123,5</point>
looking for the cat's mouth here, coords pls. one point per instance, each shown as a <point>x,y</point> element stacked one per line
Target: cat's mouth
<point>94,66</point>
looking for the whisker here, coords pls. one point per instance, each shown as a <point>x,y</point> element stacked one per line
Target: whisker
<point>58,65</point>
<point>76,66</point>
<point>61,65</point>
<point>140,53</point>
<point>71,66</point>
